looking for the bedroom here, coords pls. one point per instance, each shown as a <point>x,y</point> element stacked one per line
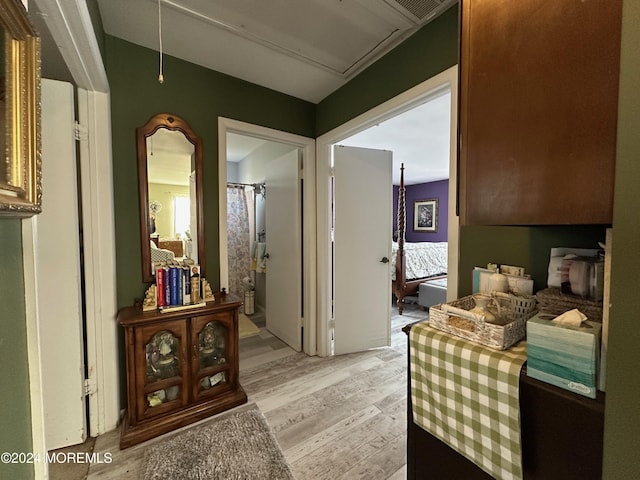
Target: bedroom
<point>420,141</point>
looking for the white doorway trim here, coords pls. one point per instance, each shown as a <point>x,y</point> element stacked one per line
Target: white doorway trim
<point>399,104</point>
<point>308,148</point>
<point>70,25</point>
<point>98,219</point>
<point>34,341</point>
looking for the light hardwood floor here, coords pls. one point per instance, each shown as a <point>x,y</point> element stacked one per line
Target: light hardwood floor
<point>341,417</point>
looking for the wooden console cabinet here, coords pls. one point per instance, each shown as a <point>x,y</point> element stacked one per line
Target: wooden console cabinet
<point>182,366</point>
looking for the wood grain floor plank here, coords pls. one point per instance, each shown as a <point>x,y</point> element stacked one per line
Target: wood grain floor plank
<point>333,460</point>
<point>318,411</point>
<point>275,374</point>
<point>400,474</point>
<point>267,356</point>
<point>383,463</point>
<point>328,435</point>
<point>268,376</point>
<point>295,389</point>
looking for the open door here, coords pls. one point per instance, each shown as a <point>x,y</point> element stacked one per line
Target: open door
<point>283,237</point>
<point>363,206</point>
<point>58,274</point>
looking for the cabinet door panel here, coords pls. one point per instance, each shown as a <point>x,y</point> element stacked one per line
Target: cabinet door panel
<point>214,358</point>
<point>538,111</point>
<point>161,349</point>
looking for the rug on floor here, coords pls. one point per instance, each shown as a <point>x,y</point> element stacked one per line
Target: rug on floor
<point>246,327</point>
<point>237,446</point>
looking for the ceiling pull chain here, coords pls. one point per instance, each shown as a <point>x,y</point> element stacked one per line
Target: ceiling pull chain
<point>160,76</point>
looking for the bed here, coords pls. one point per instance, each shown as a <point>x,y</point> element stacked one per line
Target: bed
<point>413,263</point>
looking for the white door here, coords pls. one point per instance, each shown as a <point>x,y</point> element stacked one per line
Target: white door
<point>57,273</point>
<point>283,238</point>
<point>363,203</point>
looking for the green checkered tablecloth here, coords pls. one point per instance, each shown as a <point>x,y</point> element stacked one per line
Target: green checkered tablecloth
<point>467,395</point>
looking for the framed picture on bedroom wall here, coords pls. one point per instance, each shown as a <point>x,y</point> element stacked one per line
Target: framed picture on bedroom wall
<point>425,215</point>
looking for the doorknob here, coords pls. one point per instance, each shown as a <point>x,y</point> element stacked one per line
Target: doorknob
<point>266,255</point>
<point>384,260</point>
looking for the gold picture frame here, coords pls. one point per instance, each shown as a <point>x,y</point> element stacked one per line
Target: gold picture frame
<point>20,150</point>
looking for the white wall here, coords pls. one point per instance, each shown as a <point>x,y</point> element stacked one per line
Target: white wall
<point>252,168</point>
<point>232,172</point>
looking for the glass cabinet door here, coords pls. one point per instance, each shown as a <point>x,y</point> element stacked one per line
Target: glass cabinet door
<point>212,342</point>
<point>164,368</point>
<point>162,361</point>
<point>212,353</point>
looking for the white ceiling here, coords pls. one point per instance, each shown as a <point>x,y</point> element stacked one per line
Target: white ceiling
<point>418,138</point>
<point>240,147</point>
<point>303,48</point>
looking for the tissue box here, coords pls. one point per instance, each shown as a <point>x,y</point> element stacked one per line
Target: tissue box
<point>567,357</point>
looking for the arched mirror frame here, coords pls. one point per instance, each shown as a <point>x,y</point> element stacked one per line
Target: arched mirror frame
<point>174,123</point>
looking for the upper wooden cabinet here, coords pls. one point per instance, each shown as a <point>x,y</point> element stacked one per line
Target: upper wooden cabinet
<point>538,111</point>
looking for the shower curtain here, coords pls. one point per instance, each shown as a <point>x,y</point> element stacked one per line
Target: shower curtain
<point>239,231</point>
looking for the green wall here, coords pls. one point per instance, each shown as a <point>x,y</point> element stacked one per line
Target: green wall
<point>528,247</point>
<point>199,96</point>
<point>15,407</point>
<point>622,414</point>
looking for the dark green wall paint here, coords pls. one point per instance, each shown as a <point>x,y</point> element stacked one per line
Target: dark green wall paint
<point>15,406</point>
<point>429,51</point>
<point>622,414</point>
<point>199,96</point>
<point>528,247</point>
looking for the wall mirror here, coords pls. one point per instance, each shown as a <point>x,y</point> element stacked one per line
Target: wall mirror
<point>170,185</point>
<point>20,167</point>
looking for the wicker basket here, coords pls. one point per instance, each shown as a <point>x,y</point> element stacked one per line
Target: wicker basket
<point>456,319</point>
<point>552,300</point>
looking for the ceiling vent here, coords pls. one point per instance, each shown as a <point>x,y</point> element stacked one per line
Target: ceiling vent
<point>420,11</point>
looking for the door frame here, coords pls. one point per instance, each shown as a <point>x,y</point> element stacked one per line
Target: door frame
<point>308,174</point>
<point>391,108</point>
<point>101,335</point>
<point>71,28</point>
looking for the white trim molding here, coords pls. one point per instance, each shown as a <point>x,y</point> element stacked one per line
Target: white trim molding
<point>70,25</point>
<point>29,235</point>
<point>99,260</point>
<point>308,148</point>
